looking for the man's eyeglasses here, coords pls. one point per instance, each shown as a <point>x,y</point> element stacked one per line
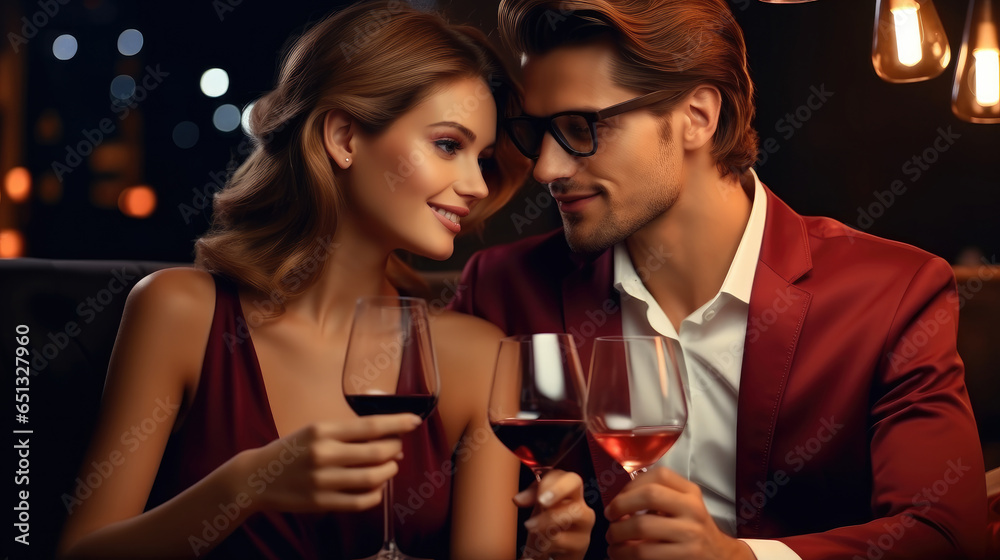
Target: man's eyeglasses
<point>575,131</point>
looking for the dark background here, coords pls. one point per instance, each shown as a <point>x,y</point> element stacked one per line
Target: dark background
<point>857,143</point>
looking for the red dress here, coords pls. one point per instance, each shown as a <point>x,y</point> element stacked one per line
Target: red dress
<point>231,413</point>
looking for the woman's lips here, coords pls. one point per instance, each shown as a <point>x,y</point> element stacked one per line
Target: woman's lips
<point>446,222</point>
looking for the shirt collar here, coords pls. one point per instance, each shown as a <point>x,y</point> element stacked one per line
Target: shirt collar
<point>739,279</point>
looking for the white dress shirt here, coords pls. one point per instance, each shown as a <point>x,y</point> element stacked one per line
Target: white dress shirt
<point>709,349</point>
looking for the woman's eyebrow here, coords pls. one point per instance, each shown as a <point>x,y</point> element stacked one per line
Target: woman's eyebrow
<point>463,129</point>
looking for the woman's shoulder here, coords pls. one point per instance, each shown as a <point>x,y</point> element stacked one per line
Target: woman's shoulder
<point>453,328</point>
<point>178,292</point>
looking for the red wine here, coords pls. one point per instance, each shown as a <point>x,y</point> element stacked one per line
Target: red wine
<point>639,447</point>
<point>539,443</point>
<point>365,405</point>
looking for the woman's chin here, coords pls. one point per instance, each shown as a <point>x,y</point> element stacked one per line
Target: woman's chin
<point>442,253</point>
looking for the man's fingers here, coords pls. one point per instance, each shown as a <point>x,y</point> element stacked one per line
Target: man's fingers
<point>652,527</point>
<point>651,497</point>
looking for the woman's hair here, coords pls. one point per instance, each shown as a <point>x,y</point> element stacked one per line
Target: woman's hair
<point>671,45</point>
<point>274,222</point>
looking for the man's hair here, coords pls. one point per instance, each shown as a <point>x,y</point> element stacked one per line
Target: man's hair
<point>672,45</point>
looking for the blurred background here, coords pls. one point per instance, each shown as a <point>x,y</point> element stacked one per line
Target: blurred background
<point>120,119</point>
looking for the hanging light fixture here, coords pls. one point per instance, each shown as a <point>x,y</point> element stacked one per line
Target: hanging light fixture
<point>976,94</point>
<point>910,44</point>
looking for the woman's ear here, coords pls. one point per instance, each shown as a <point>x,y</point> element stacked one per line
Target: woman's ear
<point>339,137</point>
<point>701,111</point>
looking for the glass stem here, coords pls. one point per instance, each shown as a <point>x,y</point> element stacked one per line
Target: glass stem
<point>388,535</point>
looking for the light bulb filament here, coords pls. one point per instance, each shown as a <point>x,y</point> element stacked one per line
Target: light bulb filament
<point>909,46</point>
<point>987,76</point>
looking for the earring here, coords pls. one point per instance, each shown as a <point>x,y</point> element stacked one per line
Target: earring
<point>347,159</point>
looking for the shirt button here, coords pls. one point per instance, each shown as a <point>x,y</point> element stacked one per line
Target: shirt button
<point>709,315</point>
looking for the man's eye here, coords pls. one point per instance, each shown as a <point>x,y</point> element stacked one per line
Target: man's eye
<point>448,146</point>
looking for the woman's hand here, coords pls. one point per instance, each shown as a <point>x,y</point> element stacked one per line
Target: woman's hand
<point>327,466</point>
<point>561,523</point>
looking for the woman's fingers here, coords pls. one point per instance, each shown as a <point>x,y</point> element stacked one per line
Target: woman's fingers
<point>367,428</point>
<point>557,486</point>
<point>336,453</point>
<point>354,480</point>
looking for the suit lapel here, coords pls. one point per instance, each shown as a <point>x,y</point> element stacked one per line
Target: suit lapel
<point>592,308</point>
<point>776,314</point>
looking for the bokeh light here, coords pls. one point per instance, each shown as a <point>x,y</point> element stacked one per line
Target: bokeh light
<point>17,184</point>
<point>64,47</point>
<point>122,87</point>
<point>11,244</point>
<point>185,134</point>
<point>214,82</point>
<point>245,119</point>
<point>130,42</point>
<point>137,202</point>
<point>226,118</point>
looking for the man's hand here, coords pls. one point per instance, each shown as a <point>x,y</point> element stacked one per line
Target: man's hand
<point>676,526</point>
<point>561,522</point>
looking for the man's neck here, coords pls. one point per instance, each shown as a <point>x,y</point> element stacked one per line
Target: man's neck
<point>684,255</point>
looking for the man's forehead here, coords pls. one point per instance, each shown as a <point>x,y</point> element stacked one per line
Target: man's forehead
<point>568,78</point>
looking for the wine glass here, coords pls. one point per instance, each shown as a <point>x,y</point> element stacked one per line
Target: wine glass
<point>537,401</point>
<point>390,368</point>
<point>636,409</point>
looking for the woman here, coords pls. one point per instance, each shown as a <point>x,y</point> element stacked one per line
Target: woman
<point>223,410</point>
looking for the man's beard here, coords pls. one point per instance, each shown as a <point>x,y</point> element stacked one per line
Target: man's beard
<point>611,229</point>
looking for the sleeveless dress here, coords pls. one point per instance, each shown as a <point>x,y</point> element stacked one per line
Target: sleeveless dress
<point>230,413</point>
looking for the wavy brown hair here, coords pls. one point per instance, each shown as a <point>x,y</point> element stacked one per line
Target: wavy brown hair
<point>671,45</point>
<point>273,223</point>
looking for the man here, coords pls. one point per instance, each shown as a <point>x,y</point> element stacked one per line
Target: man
<point>828,415</point>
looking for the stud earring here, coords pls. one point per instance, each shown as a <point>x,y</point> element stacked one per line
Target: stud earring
<point>347,159</point>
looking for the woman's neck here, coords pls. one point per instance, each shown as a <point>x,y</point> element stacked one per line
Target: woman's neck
<point>352,267</point>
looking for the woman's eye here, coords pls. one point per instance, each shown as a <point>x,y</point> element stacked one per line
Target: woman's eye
<point>448,146</point>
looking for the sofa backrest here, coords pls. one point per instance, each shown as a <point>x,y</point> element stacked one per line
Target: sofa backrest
<point>72,311</point>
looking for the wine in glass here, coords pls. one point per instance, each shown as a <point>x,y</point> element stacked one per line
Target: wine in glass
<point>537,400</point>
<point>636,409</point>
<point>390,368</point>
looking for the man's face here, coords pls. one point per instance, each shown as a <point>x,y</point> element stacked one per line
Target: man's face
<point>634,177</point>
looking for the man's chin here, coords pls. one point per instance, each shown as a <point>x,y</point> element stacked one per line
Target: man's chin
<point>587,245</point>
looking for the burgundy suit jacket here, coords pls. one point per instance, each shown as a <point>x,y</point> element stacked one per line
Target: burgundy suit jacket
<point>855,436</point>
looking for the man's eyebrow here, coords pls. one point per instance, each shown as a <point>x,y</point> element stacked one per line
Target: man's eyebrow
<point>463,129</point>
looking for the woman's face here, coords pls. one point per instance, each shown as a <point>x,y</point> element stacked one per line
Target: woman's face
<point>411,185</point>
